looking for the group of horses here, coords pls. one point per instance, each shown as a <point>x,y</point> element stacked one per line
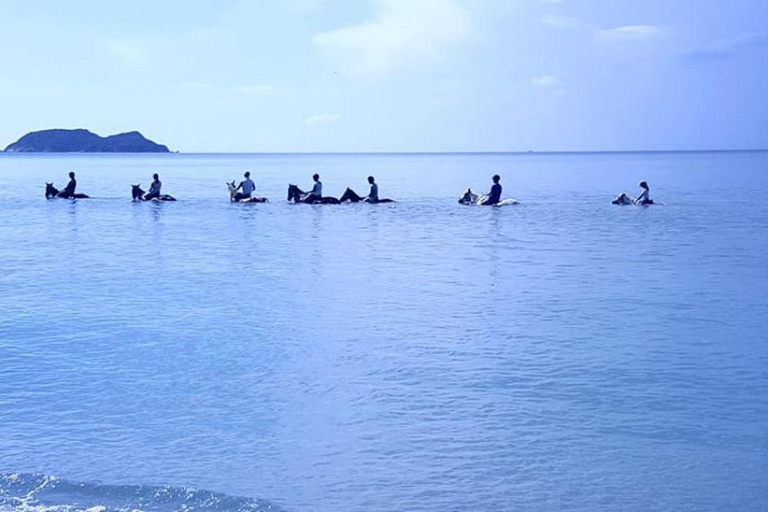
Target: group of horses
<point>296,195</point>
<point>137,194</point>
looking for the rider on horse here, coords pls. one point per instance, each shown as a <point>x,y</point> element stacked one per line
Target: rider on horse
<point>246,188</point>
<point>317,190</point>
<point>495,195</point>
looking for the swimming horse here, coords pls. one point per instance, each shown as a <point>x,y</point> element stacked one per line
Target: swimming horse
<point>351,196</point>
<point>138,195</point>
<point>52,192</point>
<point>296,195</point>
<point>471,198</point>
<point>623,199</point>
<point>253,199</point>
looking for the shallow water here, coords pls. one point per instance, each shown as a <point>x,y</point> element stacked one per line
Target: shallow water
<point>562,354</point>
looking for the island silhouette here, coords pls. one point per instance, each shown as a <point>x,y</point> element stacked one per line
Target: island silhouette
<point>84,141</point>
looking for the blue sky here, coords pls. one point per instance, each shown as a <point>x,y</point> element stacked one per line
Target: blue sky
<point>391,75</point>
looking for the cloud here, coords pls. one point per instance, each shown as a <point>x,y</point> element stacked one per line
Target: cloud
<point>629,33</point>
<point>303,6</point>
<point>255,90</point>
<point>321,119</point>
<point>549,83</point>
<point>128,51</point>
<point>404,32</point>
<point>553,20</point>
<point>205,86</point>
<point>544,81</point>
<point>726,48</point>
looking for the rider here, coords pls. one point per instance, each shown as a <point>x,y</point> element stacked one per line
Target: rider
<point>317,190</point>
<point>247,186</point>
<point>373,195</point>
<point>644,197</point>
<point>154,188</point>
<point>69,190</point>
<point>495,195</point>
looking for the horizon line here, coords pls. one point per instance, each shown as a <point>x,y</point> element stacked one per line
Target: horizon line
<point>492,152</point>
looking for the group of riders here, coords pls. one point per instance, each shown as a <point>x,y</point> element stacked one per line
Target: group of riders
<point>245,190</point>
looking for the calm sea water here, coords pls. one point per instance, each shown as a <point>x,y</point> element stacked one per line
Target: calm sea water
<point>563,354</point>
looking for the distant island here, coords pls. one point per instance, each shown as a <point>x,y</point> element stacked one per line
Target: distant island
<point>83,141</point>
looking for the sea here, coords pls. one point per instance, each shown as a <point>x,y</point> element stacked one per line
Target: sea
<point>559,354</point>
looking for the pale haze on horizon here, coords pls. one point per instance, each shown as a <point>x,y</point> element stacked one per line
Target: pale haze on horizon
<point>391,75</point>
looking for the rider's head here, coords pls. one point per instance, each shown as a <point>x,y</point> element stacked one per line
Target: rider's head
<point>247,174</point>
<point>316,177</point>
<point>72,174</point>
<point>370,180</point>
<point>644,185</point>
<point>155,176</point>
<point>496,178</point>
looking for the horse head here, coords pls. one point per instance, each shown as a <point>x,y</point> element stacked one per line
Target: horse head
<point>294,193</point>
<point>468,197</point>
<point>232,189</point>
<point>350,195</point>
<point>622,199</point>
<point>50,190</point>
<point>136,192</point>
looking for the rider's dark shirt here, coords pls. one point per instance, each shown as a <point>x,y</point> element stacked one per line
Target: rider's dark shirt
<point>70,188</point>
<point>155,187</point>
<point>495,195</point>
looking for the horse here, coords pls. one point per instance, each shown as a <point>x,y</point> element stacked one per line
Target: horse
<point>351,196</point>
<point>52,192</point>
<point>624,199</point>
<point>233,191</point>
<point>297,195</point>
<point>471,198</point>
<point>138,195</point>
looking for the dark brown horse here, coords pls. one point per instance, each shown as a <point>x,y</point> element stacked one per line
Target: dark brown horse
<point>138,195</point>
<point>352,196</point>
<point>297,195</point>
<point>52,192</point>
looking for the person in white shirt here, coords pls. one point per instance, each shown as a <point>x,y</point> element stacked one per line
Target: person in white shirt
<point>644,197</point>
